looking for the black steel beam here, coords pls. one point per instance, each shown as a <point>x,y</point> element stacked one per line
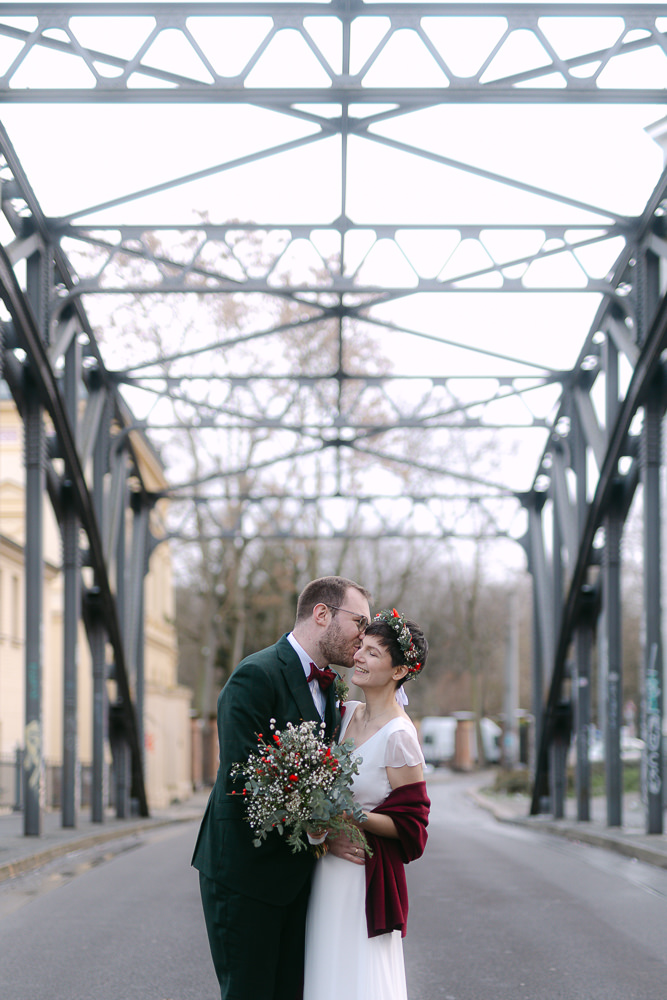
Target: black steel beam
<point>52,399</point>
<point>645,371</point>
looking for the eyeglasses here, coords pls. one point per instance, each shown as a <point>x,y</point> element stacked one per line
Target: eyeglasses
<point>361,620</point>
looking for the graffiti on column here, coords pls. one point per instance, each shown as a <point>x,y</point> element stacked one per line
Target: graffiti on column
<point>652,725</point>
<point>32,760</point>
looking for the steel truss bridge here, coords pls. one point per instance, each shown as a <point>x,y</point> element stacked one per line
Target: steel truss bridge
<point>329,220</point>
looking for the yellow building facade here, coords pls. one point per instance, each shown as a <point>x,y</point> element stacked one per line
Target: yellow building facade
<point>167,704</point>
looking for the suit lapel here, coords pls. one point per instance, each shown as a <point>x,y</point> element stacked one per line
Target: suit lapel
<point>290,664</point>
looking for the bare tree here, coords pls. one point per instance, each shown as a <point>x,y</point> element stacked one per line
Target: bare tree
<point>242,451</point>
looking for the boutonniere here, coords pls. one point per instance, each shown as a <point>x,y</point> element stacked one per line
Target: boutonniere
<point>341,690</point>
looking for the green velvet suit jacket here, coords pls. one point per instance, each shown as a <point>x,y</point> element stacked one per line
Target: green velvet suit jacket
<point>270,684</point>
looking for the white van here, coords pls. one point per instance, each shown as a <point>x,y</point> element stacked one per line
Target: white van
<point>438,732</point>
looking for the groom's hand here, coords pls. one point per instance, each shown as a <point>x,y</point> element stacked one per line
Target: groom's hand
<point>346,849</point>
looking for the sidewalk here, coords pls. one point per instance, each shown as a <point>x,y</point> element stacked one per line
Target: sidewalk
<point>19,853</point>
<point>630,840</point>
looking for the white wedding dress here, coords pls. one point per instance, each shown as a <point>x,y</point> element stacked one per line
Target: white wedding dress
<point>342,962</point>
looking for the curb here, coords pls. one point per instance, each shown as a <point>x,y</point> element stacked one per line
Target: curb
<point>31,862</point>
<point>619,842</point>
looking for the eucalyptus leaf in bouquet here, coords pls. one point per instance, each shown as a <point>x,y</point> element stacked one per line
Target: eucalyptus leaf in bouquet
<point>296,783</point>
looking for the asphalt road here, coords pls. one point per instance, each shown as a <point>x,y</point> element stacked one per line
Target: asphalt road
<point>498,912</point>
<point>121,922</point>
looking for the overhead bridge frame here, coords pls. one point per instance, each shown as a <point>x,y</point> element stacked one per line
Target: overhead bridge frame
<point>51,359</point>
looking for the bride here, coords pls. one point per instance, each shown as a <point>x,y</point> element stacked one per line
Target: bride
<point>358,905</point>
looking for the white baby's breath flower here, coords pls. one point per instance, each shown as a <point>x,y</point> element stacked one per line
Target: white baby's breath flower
<point>296,783</point>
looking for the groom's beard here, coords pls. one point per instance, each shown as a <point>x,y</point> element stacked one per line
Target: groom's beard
<point>337,648</point>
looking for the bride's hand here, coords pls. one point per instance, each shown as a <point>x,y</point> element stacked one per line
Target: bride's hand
<point>346,849</point>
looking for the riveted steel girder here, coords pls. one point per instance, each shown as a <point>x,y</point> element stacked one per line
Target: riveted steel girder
<point>139,78</point>
<point>208,259</point>
<point>54,402</point>
<point>646,369</point>
<point>79,507</point>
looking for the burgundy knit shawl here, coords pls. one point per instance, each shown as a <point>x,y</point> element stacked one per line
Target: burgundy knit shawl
<point>386,885</point>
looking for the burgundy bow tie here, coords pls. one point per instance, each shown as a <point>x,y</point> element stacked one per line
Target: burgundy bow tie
<point>323,677</point>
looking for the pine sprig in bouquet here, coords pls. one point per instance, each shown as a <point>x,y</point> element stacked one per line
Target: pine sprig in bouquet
<point>297,784</point>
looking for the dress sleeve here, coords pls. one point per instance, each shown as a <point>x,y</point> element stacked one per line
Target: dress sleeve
<point>403,748</point>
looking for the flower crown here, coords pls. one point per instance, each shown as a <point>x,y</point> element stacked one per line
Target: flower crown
<point>398,623</point>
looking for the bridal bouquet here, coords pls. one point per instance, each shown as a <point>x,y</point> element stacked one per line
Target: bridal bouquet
<point>296,783</point>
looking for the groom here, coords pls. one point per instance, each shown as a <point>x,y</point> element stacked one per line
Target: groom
<point>255,898</point>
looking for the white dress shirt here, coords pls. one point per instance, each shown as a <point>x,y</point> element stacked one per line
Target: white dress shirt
<point>315,689</point>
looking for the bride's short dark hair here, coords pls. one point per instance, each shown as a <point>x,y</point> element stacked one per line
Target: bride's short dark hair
<point>389,639</point>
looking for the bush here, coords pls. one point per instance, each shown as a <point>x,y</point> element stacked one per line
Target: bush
<point>520,780</point>
<point>513,782</point>
<point>631,778</point>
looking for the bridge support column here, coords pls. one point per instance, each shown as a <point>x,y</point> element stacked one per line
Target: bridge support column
<point>35,445</point>
<point>37,290</point>
<point>583,643</point>
<point>652,687</point>
<point>71,529</point>
<point>611,666</point>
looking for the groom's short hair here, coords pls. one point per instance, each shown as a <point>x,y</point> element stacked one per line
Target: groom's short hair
<point>329,590</point>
